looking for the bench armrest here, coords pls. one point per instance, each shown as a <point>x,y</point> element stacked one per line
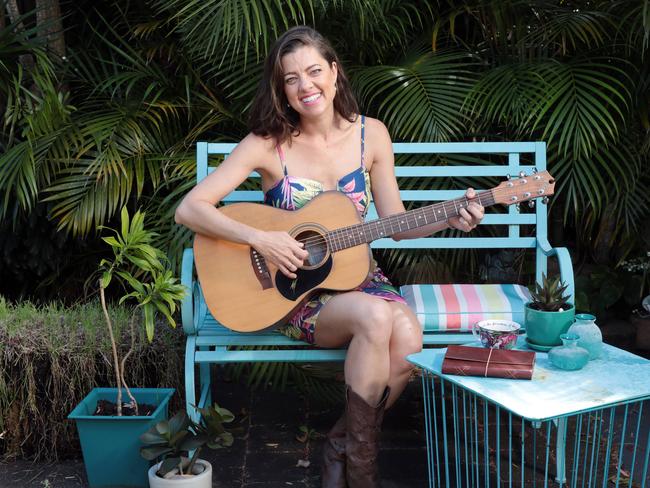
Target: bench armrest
<point>187,279</point>
<point>564,261</point>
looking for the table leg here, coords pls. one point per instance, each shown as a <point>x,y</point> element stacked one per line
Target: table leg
<point>560,448</point>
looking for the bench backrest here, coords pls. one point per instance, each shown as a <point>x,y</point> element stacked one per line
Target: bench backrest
<point>473,163</point>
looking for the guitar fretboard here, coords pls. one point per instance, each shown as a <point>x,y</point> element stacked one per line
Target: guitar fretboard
<point>367,232</point>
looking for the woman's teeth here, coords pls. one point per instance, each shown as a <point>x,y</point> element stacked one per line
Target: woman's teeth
<point>311,98</point>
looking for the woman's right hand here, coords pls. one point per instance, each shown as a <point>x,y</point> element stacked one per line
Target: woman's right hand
<point>280,249</point>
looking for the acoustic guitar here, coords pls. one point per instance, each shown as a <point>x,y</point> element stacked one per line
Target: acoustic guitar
<point>247,294</point>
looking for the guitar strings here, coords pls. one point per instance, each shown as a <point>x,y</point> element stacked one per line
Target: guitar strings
<point>320,239</point>
<point>317,241</point>
<point>311,243</point>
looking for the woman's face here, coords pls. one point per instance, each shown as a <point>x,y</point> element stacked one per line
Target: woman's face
<point>309,82</point>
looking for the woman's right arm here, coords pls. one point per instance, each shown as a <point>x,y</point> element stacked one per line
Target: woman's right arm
<point>197,210</point>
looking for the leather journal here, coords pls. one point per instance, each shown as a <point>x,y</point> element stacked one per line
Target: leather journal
<point>479,361</point>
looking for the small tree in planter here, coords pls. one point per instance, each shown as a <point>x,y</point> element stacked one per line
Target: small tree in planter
<point>173,440</point>
<point>142,268</point>
<point>143,272</point>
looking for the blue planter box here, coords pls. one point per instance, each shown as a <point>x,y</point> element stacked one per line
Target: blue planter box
<point>111,445</point>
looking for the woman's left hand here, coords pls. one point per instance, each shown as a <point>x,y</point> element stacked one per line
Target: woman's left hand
<point>469,217</point>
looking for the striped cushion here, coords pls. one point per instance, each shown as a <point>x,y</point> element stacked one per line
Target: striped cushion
<point>455,308</point>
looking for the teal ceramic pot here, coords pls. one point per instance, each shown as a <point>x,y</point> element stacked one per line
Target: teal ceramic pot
<point>545,328</point>
<point>111,445</point>
<point>569,356</point>
<point>590,336</point>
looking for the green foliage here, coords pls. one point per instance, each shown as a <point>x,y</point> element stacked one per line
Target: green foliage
<point>601,288</point>
<point>142,268</point>
<point>172,440</point>
<point>115,123</point>
<point>549,295</point>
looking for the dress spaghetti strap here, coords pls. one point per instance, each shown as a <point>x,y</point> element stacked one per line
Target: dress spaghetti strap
<point>281,156</point>
<point>363,141</point>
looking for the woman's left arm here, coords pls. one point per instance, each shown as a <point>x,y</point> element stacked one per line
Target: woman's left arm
<point>385,191</point>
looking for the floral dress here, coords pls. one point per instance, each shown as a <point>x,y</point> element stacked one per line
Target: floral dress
<point>292,193</point>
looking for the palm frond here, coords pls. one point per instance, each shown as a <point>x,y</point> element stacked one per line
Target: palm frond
<point>570,29</point>
<point>421,99</point>
<point>219,29</point>
<point>585,104</point>
<point>506,95</point>
<point>634,23</point>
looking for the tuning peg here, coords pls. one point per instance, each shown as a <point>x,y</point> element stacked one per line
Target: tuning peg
<point>535,171</point>
<point>531,203</point>
<point>545,200</point>
<point>508,177</point>
<point>518,207</point>
<point>521,174</point>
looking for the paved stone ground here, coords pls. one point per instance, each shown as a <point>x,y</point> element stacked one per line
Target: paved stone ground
<point>267,452</point>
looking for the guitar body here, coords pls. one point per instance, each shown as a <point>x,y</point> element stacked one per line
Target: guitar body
<point>246,294</point>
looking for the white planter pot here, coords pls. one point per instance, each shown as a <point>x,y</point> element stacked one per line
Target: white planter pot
<point>203,480</point>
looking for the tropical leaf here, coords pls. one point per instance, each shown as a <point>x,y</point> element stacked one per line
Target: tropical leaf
<point>633,23</point>
<point>219,29</point>
<point>585,104</point>
<point>421,99</point>
<point>570,29</point>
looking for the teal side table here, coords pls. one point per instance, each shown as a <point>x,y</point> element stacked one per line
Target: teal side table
<point>484,432</point>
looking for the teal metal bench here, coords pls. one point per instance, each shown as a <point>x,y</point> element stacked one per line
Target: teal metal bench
<point>208,342</point>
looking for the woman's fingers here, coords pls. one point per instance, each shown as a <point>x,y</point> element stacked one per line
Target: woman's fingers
<point>289,274</point>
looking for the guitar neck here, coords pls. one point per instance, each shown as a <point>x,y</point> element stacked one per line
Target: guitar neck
<point>367,232</point>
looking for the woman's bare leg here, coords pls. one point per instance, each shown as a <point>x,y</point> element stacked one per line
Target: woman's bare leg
<point>406,338</point>
<point>380,335</point>
<point>366,323</point>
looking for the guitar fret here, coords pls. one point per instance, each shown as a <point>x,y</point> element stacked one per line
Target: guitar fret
<point>367,232</point>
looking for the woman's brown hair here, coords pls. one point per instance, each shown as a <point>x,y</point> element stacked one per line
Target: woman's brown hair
<point>270,115</point>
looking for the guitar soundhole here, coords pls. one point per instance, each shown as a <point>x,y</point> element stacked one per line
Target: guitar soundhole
<point>316,246</point>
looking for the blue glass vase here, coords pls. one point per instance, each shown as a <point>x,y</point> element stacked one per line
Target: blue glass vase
<point>569,356</point>
<point>590,336</point>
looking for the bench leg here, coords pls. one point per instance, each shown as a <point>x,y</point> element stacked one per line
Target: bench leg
<point>205,399</point>
<point>190,381</point>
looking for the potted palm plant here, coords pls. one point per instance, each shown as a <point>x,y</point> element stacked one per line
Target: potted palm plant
<point>172,441</point>
<point>108,426</point>
<point>549,314</point>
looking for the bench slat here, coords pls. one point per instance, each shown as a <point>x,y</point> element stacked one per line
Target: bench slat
<point>427,171</point>
<point>305,354</point>
<point>426,147</point>
<point>457,242</point>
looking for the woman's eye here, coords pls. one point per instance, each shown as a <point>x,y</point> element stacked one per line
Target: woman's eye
<point>316,71</point>
<point>290,81</point>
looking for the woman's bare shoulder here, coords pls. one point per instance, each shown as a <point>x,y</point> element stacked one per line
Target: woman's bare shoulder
<point>376,128</point>
<point>257,150</point>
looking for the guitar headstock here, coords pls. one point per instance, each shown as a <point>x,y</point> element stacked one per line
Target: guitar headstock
<point>524,188</point>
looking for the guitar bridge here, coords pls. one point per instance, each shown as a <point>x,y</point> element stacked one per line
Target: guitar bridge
<point>261,270</point>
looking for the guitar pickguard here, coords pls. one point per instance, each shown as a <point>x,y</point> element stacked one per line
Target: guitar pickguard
<point>308,279</point>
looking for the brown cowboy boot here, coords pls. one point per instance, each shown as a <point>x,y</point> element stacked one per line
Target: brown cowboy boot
<point>363,423</point>
<point>333,471</point>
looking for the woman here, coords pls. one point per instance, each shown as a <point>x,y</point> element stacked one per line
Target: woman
<point>307,137</point>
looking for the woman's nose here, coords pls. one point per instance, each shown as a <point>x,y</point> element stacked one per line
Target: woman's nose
<point>305,84</point>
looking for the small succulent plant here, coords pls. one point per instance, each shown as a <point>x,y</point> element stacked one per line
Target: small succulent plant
<point>550,296</point>
<point>173,440</point>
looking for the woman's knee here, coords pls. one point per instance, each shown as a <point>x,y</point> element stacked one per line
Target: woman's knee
<point>375,322</point>
<point>406,336</point>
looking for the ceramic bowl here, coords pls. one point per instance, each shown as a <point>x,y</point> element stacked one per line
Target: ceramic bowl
<point>497,334</point>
